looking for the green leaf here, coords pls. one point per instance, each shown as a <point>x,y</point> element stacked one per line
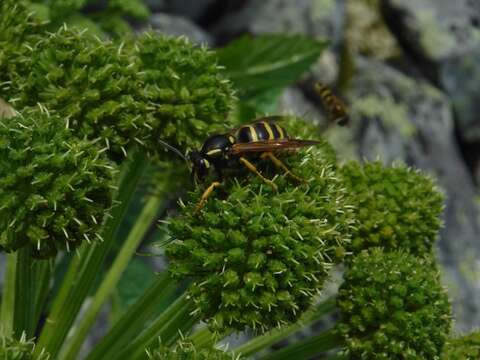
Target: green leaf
<point>269,61</point>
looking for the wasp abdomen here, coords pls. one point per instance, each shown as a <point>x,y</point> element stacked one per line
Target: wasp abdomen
<point>259,131</point>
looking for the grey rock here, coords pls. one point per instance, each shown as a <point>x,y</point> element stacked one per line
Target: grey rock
<point>156,5</point>
<point>293,102</point>
<point>319,18</point>
<point>443,36</point>
<point>398,117</point>
<point>177,26</point>
<point>192,9</point>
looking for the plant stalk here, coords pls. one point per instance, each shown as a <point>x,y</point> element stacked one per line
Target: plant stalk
<point>110,281</point>
<point>306,349</point>
<point>166,327</point>
<point>83,270</point>
<point>134,320</point>
<point>264,341</point>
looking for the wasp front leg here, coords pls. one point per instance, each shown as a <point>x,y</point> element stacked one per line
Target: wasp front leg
<point>253,169</point>
<point>206,194</point>
<point>276,161</point>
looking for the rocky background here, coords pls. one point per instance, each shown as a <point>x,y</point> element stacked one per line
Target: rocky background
<point>410,73</point>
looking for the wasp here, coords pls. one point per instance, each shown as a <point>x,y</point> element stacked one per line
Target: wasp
<point>335,107</point>
<point>263,138</point>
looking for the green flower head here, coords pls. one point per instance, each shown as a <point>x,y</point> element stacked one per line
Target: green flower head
<point>396,207</point>
<point>258,257</point>
<point>392,307</point>
<point>54,188</point>
<point>466,347</point>
<point>186,350</point>
<point>22,349</point>
<point>184,85</point>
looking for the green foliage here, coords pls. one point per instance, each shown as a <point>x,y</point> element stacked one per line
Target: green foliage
<point>22,349</point>
<point>257,256</point>
<point>393,307</point>
<point>186,350</point>
<point>396,208</point>
<point>466,347</point>
<point>47,203</point>
<point>187,93</point>
<point>269,61</point>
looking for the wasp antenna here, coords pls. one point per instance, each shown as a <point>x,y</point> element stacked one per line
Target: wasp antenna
<point>171,148</point>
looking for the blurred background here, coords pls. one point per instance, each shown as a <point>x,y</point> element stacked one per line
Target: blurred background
<point>409,71</point>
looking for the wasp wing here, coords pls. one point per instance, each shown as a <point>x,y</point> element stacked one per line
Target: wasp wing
<point>270,146</point>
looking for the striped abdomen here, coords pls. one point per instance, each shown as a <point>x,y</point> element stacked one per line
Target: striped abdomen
<point>261,130</point>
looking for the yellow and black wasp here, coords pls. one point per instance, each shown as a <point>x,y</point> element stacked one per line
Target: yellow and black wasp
<point>335,107</point>
<point>262,139</point>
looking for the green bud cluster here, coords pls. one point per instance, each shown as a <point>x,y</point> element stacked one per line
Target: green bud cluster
<point>258,257</point>
<point>87,81</point>
<point>189,96</point>
<point>392,307</point>
<point>466,347</point>
<point>186,350</point>
<point>22,349</point>
<point>54,188</point>
<point>396,207</point>
<point>158,88</point>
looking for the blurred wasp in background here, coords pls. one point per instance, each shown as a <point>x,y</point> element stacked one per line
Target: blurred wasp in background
<point>334,105</point>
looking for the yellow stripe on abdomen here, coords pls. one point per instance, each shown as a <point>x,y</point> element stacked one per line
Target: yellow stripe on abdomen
<point>269,130</point>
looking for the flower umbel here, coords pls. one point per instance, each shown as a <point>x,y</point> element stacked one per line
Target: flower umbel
<point>396,207</point>
<point>54,188</point>
<point>258,257</point>
<point>393,307</point>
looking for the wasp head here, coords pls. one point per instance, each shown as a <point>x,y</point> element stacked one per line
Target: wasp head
<point>200,165</point>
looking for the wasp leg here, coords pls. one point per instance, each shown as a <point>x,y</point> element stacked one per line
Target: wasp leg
<point>206,194</point>
<point>280,165</point>
<point>253,169</point>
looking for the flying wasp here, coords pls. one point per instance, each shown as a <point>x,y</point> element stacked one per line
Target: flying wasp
<point>262,139</point>
<point>335,107</point>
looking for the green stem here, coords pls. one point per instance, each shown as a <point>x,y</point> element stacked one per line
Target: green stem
<point>133,321</point>
<point>81,274</point>
<point>262,342</point>
<point>306,349</point>
<point>41,284</point>
<point>204,337</point>
<point>175,319</point>
<point>110,281</point>
<point>24,293</point>
<point>8,295</point>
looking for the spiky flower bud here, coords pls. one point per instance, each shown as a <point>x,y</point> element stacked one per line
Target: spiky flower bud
<point>159,88</point>
<point>54,188</point>
<point>396,207</point>
<point>186,350</point>
<point>393,307</point>
<point>185,86</point>
<point>466,347</point>
<point>22,349</point>
<point>258,257</point>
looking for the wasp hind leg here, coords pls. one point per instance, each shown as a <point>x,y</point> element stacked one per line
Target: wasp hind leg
<point>206,194</point>
<point>253,169</point>
<point>279,164</point>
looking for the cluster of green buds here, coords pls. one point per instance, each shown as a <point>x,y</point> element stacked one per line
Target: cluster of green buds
<point>129,94</point>
<point>19,349</point>
<point>393,307</point>
<point>396,207</point>
<point>54,187</point>
<point>259,257</point>
<point>186,350</point>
